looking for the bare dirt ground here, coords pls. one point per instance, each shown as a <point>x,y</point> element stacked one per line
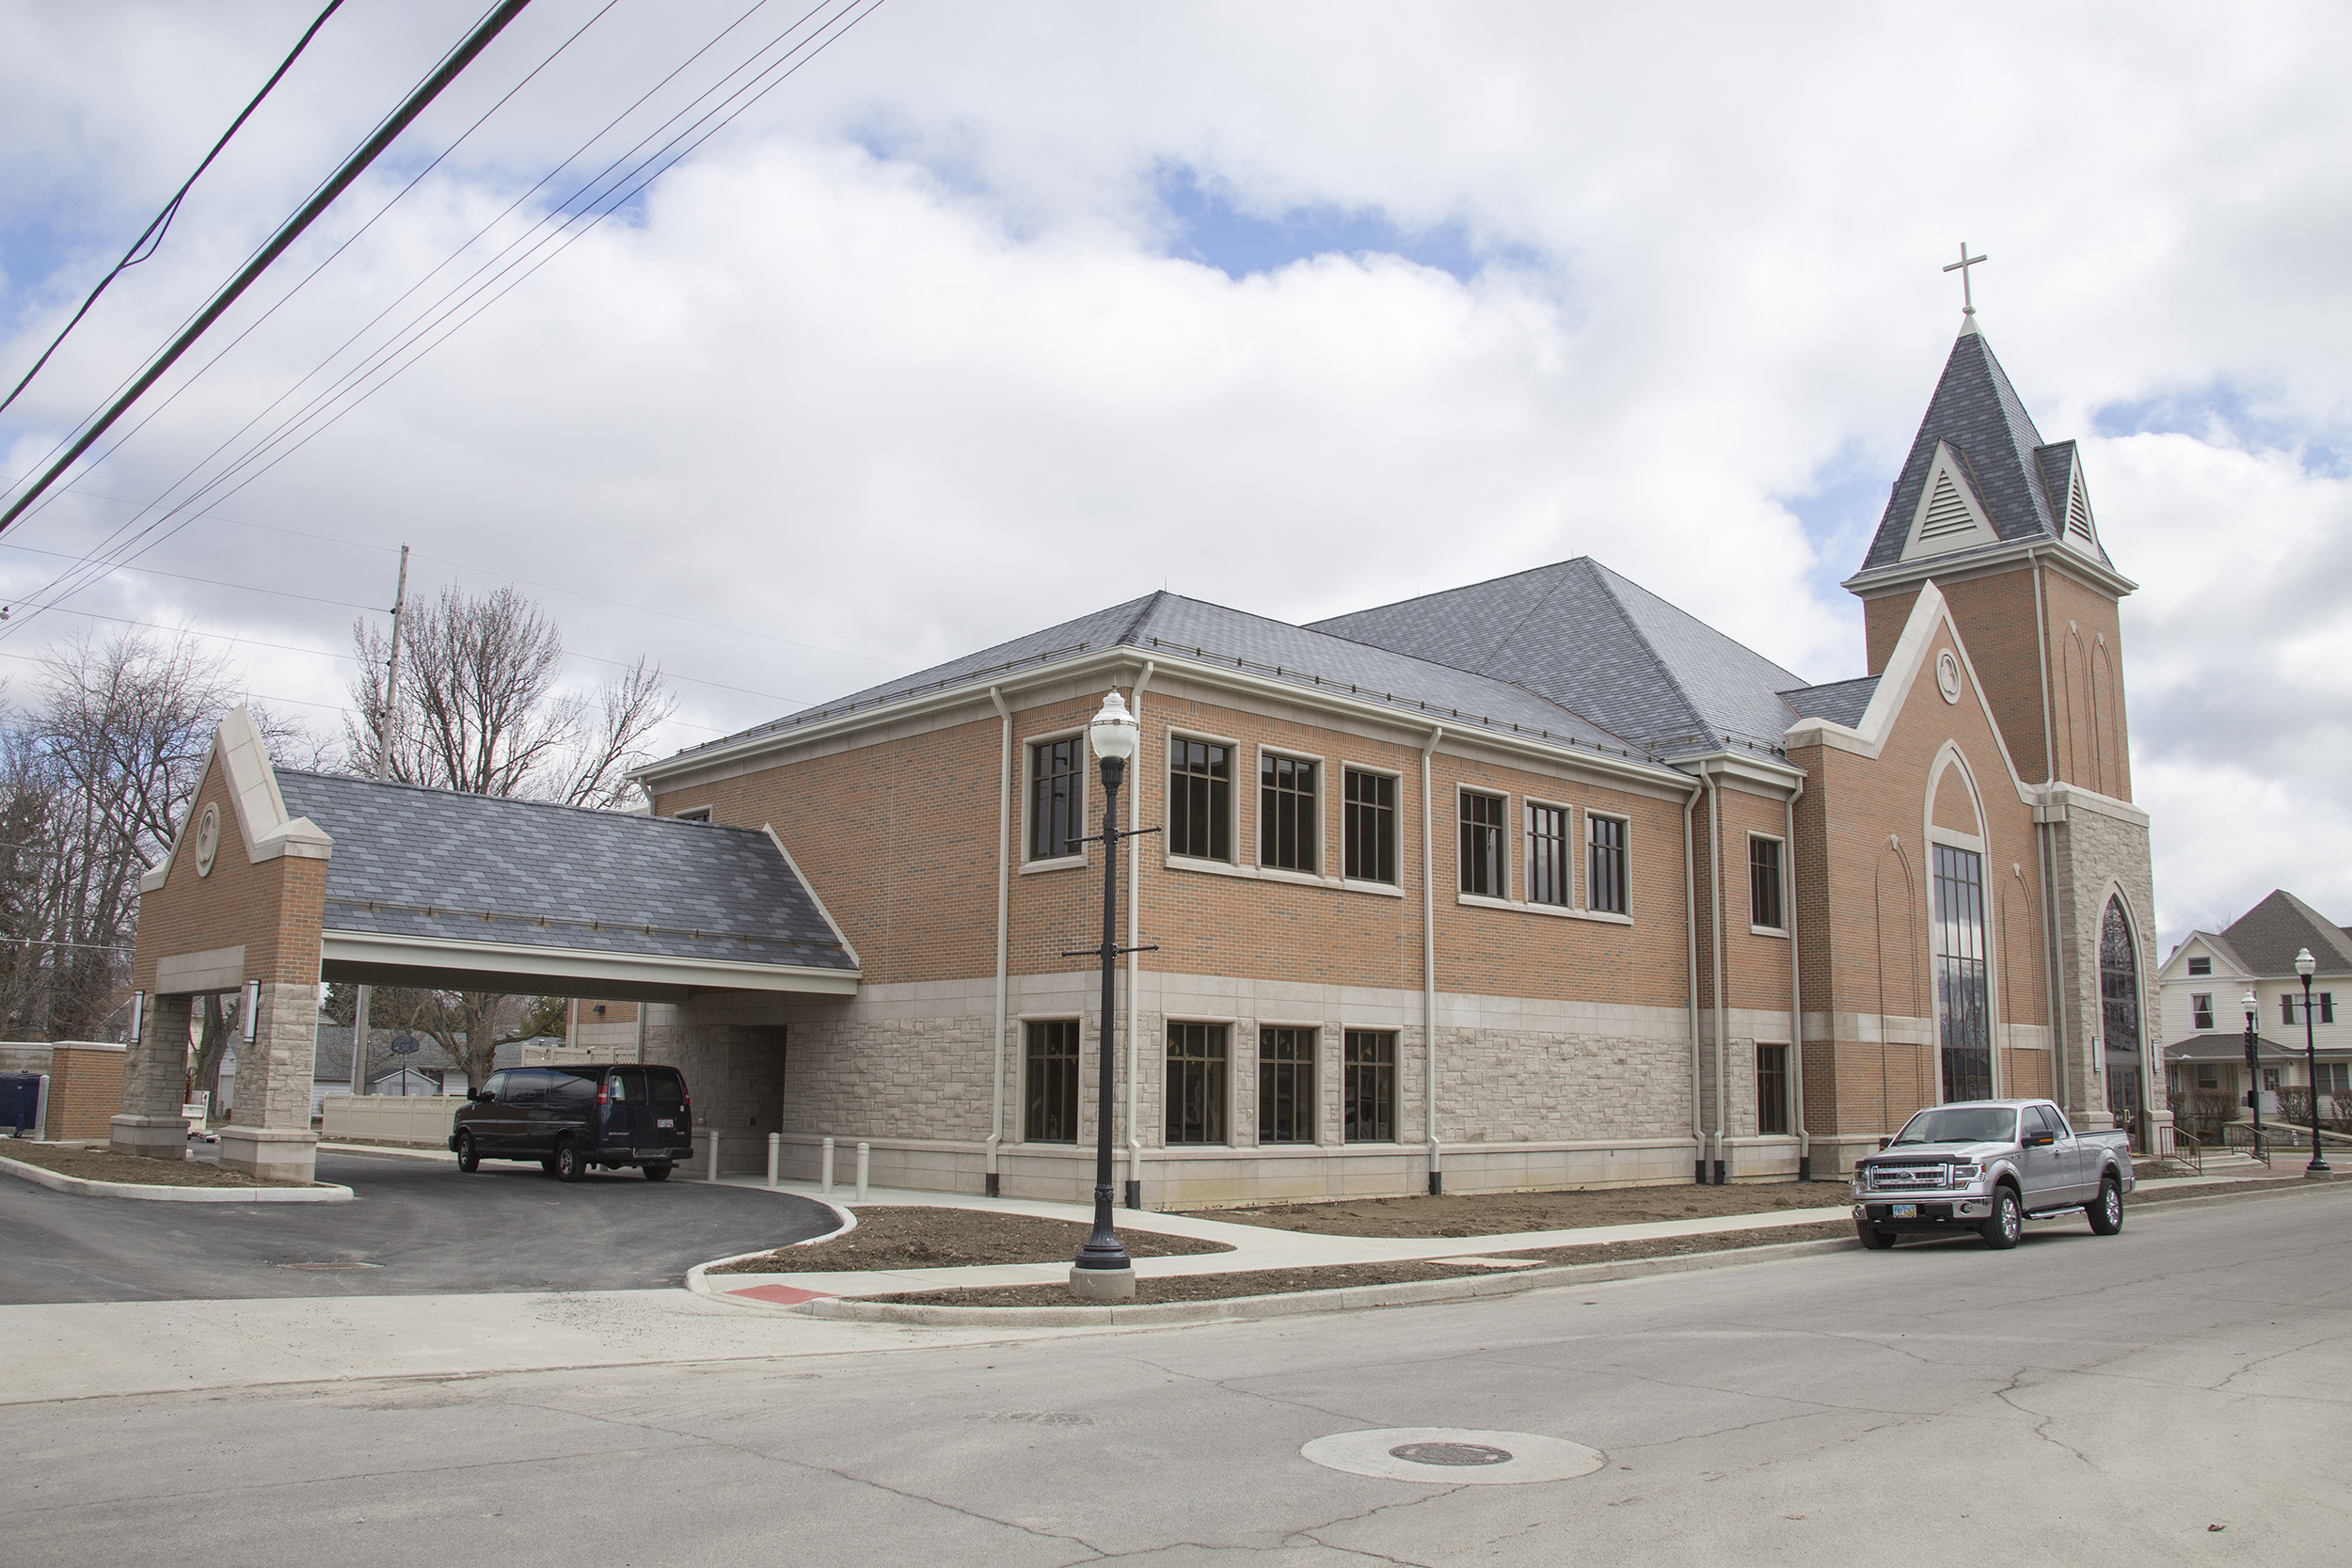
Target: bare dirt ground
<point>924,1238</point>
<point>102,1164</point>
<point>1500,1214</point>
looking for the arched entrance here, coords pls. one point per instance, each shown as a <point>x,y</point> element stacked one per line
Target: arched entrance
<point>2120,1034</point>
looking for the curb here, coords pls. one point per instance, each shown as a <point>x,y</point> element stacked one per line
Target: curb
<point>83,1186</point>
<point>694,1275</point>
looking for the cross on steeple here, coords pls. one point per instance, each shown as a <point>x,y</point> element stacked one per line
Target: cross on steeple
<point>1968,300</point>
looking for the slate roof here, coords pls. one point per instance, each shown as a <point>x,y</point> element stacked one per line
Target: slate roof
<point>2267,937</point>
<point>2020,478</point>
<point>431,863</point>
<point>1598,644</point>
<point>2232,1048</point>
<point>1426,690</point>
<point>1839,702</point>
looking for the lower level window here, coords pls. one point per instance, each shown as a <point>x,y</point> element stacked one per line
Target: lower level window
<point>1367,1093</point>
<point>1050,1082</point>
<point>2335,1077</point>
<point>1196,1082</point>
<point>1286,1085</point>
<point>1772,1088</point>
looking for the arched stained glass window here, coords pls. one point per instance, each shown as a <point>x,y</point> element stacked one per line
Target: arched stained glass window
<point>2119,1011</point>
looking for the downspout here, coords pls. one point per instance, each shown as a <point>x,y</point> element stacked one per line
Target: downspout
<point>1690,986</point>
<point>991,1182</point>
<point>2051,968</point>
<point>1134,959</point>
<point>1796,998</point>
<point>1715,894</point>
<point>1429,973</point>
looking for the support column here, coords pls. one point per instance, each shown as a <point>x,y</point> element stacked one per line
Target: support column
<point>270,1137</point>
<point>154,1084</point>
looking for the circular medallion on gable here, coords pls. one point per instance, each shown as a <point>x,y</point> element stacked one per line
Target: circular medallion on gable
<point>1948,675</point>
<point>207,840</point>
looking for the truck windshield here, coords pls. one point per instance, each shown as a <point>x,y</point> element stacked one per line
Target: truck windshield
<point>1960,1124</point>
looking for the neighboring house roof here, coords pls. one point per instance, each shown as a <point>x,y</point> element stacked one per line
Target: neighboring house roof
<point>2232,1048</point>
<point>1598,644</point>
<point>2268,937</point>
<point>2221,950</point>
<point>331,1062</point>
<point>434,863</point>
<point>1427,690</point>
<point>2023,483</point>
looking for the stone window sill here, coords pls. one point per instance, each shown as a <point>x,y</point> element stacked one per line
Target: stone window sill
<point>1059,862</point>
<point>1514,906</point>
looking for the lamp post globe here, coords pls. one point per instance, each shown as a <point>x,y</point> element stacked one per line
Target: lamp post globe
<point>2305,966</point>
<point>2254,1072</point>
<point>1102,1271</point>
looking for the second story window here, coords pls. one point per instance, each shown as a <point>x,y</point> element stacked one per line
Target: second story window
<point>1286,813</point>
<point>2201,1009</point>
<point>1604,887</point>
<point>1371,827</point>
<point>2322,1007</point>
<point>1764,898</point>
<point>1482,846</point>
<point>1200,799</point>
<point>1548,862</point>
<point>1056,783</point>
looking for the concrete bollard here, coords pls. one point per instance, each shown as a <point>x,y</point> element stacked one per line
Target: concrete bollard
<point>824,1169</point>
<point>864,1161</point>
<point>714,1154</point>
<point>775,1155</point>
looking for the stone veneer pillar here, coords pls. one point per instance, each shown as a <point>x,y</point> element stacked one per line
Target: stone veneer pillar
<point>154,1080</point>
<point>271,1136</point>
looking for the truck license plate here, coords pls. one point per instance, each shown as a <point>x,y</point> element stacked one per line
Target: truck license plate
<point>1904,1211</point>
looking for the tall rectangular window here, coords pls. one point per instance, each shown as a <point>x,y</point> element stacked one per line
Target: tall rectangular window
<point>1050,1082</point>
<point>1764,901</point>
<point>1482,846</point>
<point>1200,799</point>
<point>1368,1087</point>
<point>1548,863</point>
<point>1962,990</point>
<point>1196,1082</point>
<point>1286,813</point>
<point>1772,1088</point>
<point>2322,1007</point>
<point>1286,1085</point>
<point>1371,827</point>
<point>1056,769</point>
<point>1604,872</point>
<point>2201,1009</point>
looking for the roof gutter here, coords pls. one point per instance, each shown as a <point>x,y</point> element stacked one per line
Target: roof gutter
<point>1796,994</point>
<point>1004,903</point>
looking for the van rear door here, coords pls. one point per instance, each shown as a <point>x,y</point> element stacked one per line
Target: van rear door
<point>670,1111</point>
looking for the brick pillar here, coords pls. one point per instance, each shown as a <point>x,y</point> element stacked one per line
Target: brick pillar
<point>270,1137</point>
<point>155,1081</point>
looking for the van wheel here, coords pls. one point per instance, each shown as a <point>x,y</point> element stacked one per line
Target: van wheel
<point>1873,1236</point>
<point>2107,1213</point>
<point>656,1173</point>
<point>569,1166</point>
<point>469,1157</point>
<point>2007,1222</point>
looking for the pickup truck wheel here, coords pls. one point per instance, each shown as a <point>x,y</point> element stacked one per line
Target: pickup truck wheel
<point>2107,1210</point>
<point>2008,1222</point>
<point>569,1166</point>
<point>469,1157</point>
<point>1873,1236</point>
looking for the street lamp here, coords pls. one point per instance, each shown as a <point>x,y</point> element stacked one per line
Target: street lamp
<point>2304,964</point>
<point>2253,1074</point>
<point>1102,1271</point>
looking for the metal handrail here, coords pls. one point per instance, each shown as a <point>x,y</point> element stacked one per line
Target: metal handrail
<point>2242,1135</point>
<point>2188,1151</point>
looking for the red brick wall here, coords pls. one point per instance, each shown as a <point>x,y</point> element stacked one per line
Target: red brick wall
<point>85,1091</point>
<point>273,910</point>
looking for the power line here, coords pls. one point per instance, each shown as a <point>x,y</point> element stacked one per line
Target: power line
<point>151,238</point>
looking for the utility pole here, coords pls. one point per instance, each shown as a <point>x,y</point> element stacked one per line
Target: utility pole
<point>383,770</point>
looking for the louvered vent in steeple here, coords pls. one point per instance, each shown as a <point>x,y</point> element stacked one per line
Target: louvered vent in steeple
<point>1949,517</point>
<point>2078,512</point>
<point>1948,514</point>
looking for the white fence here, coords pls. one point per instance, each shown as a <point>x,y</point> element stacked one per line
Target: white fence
<point>413,1118</point>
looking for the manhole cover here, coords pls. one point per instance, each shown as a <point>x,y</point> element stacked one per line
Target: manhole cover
<point>1449,1453</point>
<point>1454,1456</point>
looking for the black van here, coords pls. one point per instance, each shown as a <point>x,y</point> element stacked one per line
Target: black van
<point>571,1117</point>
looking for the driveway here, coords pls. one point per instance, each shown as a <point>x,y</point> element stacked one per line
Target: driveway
<point>415,1227</point>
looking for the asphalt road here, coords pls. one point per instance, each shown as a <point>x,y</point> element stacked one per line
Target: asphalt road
<point>2178,1394</point>
<point>415,1227</point>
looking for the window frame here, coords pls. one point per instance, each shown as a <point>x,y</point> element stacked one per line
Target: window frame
<point>1624,851</point>
<point>1774,1070</point>
<point>1780,886</point>
<point>1076,1072</point>
<point>1500,828</point>
<point>1384,1078</point>
<point>1304,1072</point>
<point>691,814</point>
<point>2201,1013</point>
<point>1234,750</point>
<point>2197,974</point>
<point>1219,1103</point>
<point>1030,745</point>
<point>1313,871</point>
<point>1396,813</point>
<point>1529,806</point>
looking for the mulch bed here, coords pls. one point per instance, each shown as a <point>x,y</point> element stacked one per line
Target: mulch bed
<point>1274,1282</point>
<point>101,1164</point>
<point>914,1237</point>
<point>1501,1213</point>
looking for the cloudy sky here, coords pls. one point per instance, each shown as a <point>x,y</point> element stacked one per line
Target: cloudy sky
<point>989,315</point>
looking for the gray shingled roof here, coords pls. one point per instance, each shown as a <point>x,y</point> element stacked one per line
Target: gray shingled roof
<point>2268,937</point>
<point>2232,1048</point>
<point>1424,688</point>
<point>430,863</point>
<point>1839,702</point>
<point>2019,478</point>
<point>1597,644</point>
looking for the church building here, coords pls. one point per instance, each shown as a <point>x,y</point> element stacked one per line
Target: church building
<point>1534,882</point>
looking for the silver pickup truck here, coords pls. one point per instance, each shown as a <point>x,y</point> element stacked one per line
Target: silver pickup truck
<point>1985,1165</point>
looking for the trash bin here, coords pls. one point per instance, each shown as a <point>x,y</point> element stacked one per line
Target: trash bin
<point>21,1102</point>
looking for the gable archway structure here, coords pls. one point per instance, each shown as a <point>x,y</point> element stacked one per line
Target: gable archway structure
<point>279,882</point>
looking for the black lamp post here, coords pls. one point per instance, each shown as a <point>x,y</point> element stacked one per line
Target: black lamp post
<point>2304,965</point>
<point>2254,1074</point>
<point>1102,1271</point>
